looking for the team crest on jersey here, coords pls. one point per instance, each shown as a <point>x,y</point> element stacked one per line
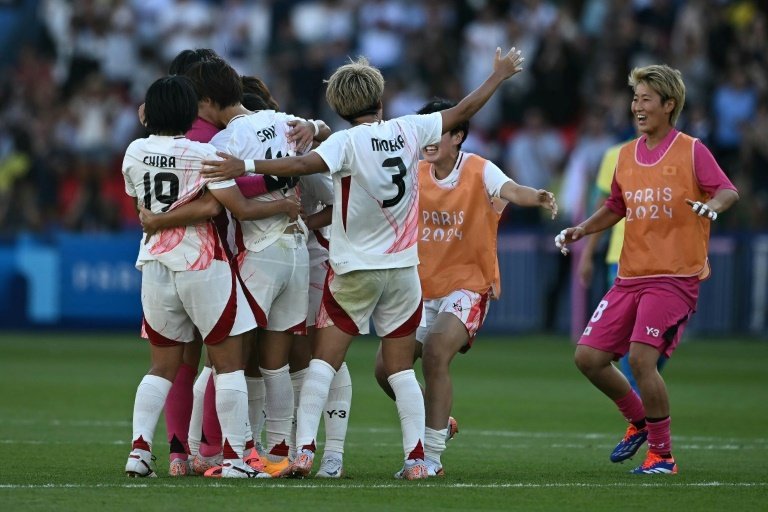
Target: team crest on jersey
<point>669,170</point>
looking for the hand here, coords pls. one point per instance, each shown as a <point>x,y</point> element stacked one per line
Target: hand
<point>291,207</point>
<point>702,210</point>
<point>226,169</point>
<point>567,236</point>
<point>301,135</point>
<point>547,200</point>
<point>508,65</point>
<point>148,222</point>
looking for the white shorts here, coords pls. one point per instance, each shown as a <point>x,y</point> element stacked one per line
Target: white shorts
<point>391,297</point>
<point>277,282</point>
<point>174,303</point>
<point>470,308</point>
<point>317,274</point>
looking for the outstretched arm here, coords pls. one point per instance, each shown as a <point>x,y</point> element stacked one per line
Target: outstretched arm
<point>503,68</point>
<point>602,219</point>
<point>527,196</point>
<point>311,163</point>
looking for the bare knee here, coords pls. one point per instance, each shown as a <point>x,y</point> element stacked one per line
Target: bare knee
<point>434,360</point>
<point>587,362</point>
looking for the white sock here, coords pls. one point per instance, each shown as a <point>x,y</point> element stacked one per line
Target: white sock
<point>256,395</point>
<point>232,408</point>
<point>314,394</point>
<point>196,420</point>
<point>279,409</point>
<point>297,380</point>
<point>149,403</point>
<point>337,411</point>
<point>410,408</point>
<point>434,443</point>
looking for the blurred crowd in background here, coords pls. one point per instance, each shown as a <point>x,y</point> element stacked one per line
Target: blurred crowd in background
<point>74,73</point>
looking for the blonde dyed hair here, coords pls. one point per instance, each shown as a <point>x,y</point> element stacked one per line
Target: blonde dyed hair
<point>355,88</point>
<point>666,81</point>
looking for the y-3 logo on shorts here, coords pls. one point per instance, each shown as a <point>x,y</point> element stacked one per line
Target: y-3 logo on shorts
<point>652,331</point>
<point>457,307</point>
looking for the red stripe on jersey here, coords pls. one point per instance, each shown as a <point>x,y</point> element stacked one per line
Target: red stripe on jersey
<point>409,326</point>
<point>223,326</point>
<point>261,317</point>
<point>335,312</point>
<point>221,221</point>
<point>155,337</point>
<point>239,242</point>
<point>322,240</point>
<point>346,182</point>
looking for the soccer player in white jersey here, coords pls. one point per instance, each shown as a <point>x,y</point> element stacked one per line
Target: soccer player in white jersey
<point>373,254</point>
<point>187,281</point>
<point>271,253</point>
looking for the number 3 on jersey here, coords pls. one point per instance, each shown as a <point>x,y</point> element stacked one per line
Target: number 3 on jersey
<point>398,179</point>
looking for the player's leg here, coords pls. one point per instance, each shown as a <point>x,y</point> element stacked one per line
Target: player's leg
<point>398,314</point>
<point>254,451</point>
<point>301,353</point>
<point>670,313</point>
<point>606,336</point>
<point>178,409</point>
<point>150,399</point>
<point>445,339</point>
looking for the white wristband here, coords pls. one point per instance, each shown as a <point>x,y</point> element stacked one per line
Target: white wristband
<point>317,127</point>
<point>250,165</point>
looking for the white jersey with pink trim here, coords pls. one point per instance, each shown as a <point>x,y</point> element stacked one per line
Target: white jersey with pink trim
<point>163,173</point>
<point>316,193</point>
<point>262,135</point>
<point>376,191</point>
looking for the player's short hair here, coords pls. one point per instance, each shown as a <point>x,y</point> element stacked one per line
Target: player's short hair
<point>355,89</point>
<point>217,81</point>
<point>256,95</point>
<point>438,104</point>
<point>170,106</point>
<point>666,81</point>
<point>188,58</point>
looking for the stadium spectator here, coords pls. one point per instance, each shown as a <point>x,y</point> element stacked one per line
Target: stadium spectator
<point>663,260</point>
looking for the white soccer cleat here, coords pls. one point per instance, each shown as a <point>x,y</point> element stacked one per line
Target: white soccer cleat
<point>434,468</point>
<point>201,464</point>
<point>413,469</point>
<point>139,464</point>
<point>236,468</point>
<point>180,467</point>
<point>330,467</point>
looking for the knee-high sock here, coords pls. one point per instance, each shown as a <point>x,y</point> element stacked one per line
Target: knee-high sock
<point>211,441</point>
<point>660,436</point>
<point>178,410</point>
<point>232,409</point>
<point>257,395</point>
<point>410,408</point>
<point>297,380</point>
<point>337,411</point>
<point>434,443</point>
<point>149,402</point>
<point>196,417</point>
<point>314,394</point>
<point>631,407</point>
<point>279,410</point>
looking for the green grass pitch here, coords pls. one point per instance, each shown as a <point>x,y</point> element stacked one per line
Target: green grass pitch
<point>534,435</point>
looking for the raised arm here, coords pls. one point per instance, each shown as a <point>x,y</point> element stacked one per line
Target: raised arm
<point>527,196</point>
<point>245,209</point>
<point>503,68</point>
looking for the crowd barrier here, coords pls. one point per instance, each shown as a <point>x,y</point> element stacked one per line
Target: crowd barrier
<point>89,281</point>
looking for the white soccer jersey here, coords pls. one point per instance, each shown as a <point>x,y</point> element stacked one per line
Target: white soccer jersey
<point>376,191</point>
<point>164,173</point>
<point>316,193</point>
<point>260,136</point>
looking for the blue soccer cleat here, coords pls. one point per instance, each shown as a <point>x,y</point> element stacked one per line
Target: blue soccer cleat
<point>655,464</point>
<point>628,446</point>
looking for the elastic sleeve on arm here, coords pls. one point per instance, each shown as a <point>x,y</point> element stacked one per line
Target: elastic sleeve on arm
<point>615,201</point>
<point>252,185</point>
